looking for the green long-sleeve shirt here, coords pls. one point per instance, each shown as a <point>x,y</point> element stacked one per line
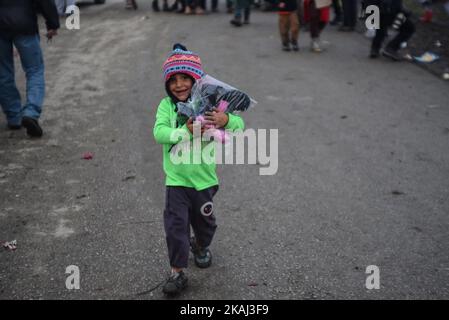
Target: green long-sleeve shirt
<point>199,176</point>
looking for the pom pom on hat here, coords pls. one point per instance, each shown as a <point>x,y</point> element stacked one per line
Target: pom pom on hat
<point>184,61</point>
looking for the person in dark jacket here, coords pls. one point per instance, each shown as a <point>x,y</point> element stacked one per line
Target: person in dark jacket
<point>19,28</point>
<point>392,13</point>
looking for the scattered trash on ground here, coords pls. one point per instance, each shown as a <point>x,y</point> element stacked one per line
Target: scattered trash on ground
<point>397,193</point>
<point>88,156</point>
<point>130,177</point>
<point>427,57</point>
<point>10,245</point>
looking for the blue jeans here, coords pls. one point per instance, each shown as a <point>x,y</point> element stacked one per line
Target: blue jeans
<point>32,61</point>
<point>242,6</point>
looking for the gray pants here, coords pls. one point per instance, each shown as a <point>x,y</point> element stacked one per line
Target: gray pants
<point>185,207</point>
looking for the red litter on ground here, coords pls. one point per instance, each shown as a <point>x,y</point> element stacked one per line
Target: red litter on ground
<point>88,156</point>
<point>10,245</point>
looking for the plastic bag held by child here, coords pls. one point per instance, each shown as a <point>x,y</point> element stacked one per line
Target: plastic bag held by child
<point>209,93</point>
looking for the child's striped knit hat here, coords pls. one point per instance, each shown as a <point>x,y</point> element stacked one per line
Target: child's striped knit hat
<point>183,61</point>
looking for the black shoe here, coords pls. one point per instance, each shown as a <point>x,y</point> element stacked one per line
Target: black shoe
<point>14,126</point>
<point>374,54</point>
<point>166,8</point>
<point>175,283</point>
<point>390,53</point>
<point>32,126</point>
<point>246,22</point>
<point>286,47</point>
<point>236,23</point>
<point>155,6</point>
<point>201,256</point>
<point>295,47</point>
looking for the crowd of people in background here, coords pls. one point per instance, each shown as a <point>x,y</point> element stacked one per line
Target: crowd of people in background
<point>19,29</point>
<point>313,16</point>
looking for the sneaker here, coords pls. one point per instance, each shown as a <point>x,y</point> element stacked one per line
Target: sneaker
<point>286,47</point>
<point>188,10</point>
<point>175,283</point>
<point>201,256</point>
<point>295,47</point>
<point>315,47</point>
<point>236,23</point>
<point>32,126</point>
<point>390,53</point>
<point>199,11</point>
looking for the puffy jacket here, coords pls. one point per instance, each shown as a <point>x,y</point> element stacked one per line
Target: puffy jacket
<point>20,16</point>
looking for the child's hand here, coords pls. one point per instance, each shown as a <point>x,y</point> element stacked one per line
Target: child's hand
<point>282,5</point>
<point>190,126</point>
<point>217,118</point>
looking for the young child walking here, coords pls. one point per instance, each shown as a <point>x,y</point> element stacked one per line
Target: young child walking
<point>289,24</point>
<point>190,188</point>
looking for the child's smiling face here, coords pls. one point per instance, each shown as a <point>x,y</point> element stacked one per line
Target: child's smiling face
<point>180,86</point>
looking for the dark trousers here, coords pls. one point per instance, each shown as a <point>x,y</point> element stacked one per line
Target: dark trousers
<point>337,8</point>
<point>289,28</point>
<point>349,13</point>
<point>316,25</point>
<point>185,207</point>
<point>406,30</point>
